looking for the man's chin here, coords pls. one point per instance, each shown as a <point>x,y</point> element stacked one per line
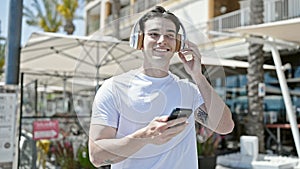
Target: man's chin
<point>162,55</point>
<point>158,56</point>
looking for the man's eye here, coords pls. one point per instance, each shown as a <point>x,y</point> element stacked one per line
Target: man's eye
<point>154,35</point>
<point>171,36</point>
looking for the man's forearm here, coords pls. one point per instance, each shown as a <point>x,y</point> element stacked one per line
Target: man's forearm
<point>110,151</point>
<point>106,149</point>
<point>219,117</point>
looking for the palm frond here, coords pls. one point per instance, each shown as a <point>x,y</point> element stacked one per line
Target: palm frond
<point>44,15</point>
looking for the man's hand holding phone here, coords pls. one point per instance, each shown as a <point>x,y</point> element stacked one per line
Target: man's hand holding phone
<point>179,113</point>
<point>162,129</point>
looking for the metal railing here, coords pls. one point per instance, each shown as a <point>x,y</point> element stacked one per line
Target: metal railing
<point>274,10</point>
<point>230,20</point>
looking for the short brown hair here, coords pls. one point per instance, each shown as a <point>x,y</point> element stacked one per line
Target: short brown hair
<point>159,12</point>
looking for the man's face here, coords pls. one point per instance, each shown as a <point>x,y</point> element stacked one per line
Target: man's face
<point>159,39</point>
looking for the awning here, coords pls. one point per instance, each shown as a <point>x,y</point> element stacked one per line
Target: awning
<point>287,30</point>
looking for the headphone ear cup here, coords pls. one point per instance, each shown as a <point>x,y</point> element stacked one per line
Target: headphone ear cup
<point>136,40</point>
<point>140,41</point>
<point>178,43</point>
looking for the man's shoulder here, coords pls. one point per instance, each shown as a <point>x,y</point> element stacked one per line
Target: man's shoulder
<point>125,75</point>
<point>121,78</point>
<point>187,83</point>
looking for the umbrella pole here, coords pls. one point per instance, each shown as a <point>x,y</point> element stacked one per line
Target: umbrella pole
<point>97,78</point>
<point>64,94</point>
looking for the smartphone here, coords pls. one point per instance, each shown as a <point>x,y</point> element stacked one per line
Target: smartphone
<point>180,112</point>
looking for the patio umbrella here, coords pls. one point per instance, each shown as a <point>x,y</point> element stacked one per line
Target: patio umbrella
<point>53,56</point>
<point>76,63</point>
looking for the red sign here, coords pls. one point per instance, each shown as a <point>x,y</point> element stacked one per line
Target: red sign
<point>45,129</point>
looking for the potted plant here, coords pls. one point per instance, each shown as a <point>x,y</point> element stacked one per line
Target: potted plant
<point>63,153</point>
<point>207,145</point>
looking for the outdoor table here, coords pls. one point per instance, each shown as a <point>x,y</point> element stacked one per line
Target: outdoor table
<point>278,127</point>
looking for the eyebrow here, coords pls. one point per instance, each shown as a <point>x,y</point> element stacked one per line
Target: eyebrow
<point>169,30</point>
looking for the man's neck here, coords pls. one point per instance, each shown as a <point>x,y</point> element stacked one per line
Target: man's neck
<point>155,72</point>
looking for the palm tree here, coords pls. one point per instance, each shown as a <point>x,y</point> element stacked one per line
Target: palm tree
<point>67,9</point>
<point>255,75</point>
<point>46,17</point>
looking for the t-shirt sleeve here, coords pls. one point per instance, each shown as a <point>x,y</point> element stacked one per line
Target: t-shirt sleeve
<point>105,111</point>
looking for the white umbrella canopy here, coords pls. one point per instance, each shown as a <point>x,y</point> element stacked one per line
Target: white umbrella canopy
<point>52,55</point>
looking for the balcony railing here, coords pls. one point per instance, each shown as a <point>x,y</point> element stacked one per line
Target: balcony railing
<point>274,10</point>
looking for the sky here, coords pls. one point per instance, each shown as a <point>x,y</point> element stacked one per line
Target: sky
<point>4,17</point>
<point>27,30</point>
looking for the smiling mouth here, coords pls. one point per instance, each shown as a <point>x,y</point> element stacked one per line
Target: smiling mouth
<point>162,50</point>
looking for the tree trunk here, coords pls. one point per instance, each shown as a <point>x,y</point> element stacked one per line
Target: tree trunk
<point>254,120</point>
<point>69,27</point>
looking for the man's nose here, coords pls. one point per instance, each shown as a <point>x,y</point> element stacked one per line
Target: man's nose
<point>162,38</point>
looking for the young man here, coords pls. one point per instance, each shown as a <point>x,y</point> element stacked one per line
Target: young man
<point>130,126</point>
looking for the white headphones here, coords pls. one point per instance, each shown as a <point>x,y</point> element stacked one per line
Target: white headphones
<point>137,38</point>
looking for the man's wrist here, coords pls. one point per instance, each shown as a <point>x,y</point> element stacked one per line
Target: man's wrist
<point>140,136</point>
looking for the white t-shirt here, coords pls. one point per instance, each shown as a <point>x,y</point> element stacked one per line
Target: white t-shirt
<point>130,101</point>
